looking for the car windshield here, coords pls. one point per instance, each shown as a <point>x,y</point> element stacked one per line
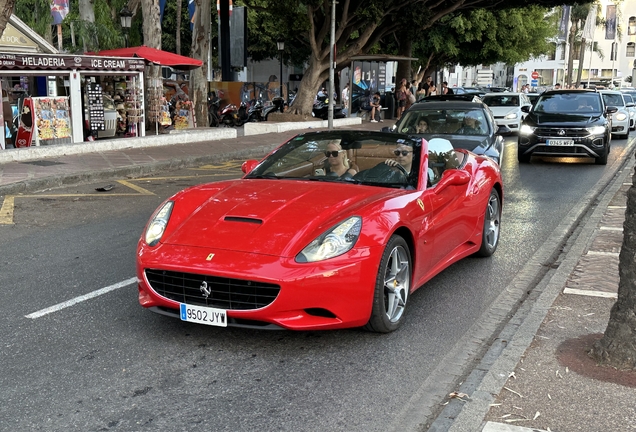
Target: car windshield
<point>501,101</point>
<point>568,103</point>
<point>444,121</point>
<point>319,156</point>
<point>613,99</point>
<point>628,98</point>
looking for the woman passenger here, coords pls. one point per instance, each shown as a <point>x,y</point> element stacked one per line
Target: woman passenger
<point>337,162</point>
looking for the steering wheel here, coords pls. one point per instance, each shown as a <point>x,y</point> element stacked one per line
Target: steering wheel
<point>383,173</point>
<point>401,169</point>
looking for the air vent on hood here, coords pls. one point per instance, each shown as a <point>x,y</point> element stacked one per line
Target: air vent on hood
<point>242,219</point>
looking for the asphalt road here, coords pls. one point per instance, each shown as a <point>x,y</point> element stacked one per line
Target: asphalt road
<point>105,364</point>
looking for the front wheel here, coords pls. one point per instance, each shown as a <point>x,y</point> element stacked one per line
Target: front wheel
<point>392,287</point>
<point>492,220</point>
<point>602,160</point>
<point>523,158</point>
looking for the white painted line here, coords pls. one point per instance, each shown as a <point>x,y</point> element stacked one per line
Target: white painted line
<point>604,228</point>
<point>590,293</point>
<point>79,299</point>
<point>616,207</point>
<point>499,427</point>
<point>627,184</point>
<point>614,254</point>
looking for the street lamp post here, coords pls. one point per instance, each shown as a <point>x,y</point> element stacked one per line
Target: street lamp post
<point>125,15</point>
<point>281,47</point>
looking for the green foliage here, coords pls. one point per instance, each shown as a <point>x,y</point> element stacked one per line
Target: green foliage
<point>169,28</point>
<point>482,36</point>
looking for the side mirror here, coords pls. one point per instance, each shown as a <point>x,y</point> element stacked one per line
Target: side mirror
<point>611,109</point>
<point>452,177</point>
<point>502,130</point>
<point>526,108</point>
<point>249,165</point>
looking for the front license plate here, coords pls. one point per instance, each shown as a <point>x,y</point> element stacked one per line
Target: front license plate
<point>203,315</point>
<point>560,142</point>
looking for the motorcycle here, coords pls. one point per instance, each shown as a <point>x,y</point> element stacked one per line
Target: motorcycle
<point>321,109</point>
<point>256,112</point>
<point>213,110</point>
<point>278,104</point>
<point>233,116</point>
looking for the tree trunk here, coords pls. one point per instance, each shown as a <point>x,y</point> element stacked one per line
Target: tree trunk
<point>152,38</point>
<point>617,348</point>
<point>178,35</point>
<point>5,14</point>
<point>86,11</point>
<point>573,30</point>
<point>404,66</point>
<point>579,73</point>
<point>200,49</point>
<point>313,77</point>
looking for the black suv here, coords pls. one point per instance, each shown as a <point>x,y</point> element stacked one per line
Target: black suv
<point>574,123</point>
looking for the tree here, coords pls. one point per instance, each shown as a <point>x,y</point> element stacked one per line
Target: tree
<point>482,36</point>
<point>617,347</point>
<point>360,26</point>
<point>5,14</point>
<point>198,90</point>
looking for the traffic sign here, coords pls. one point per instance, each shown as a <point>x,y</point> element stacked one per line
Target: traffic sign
<point>535,75</point>
<point>534,83</point>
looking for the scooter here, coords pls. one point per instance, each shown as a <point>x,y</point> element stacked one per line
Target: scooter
<point>321,109</point>
<point>213,111</point>
<point>256,112</point>
<point>233,116</point>
<point>278,104</point>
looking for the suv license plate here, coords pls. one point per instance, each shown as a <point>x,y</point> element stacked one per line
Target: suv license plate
<point>560,142</point>
<point>203,315</point>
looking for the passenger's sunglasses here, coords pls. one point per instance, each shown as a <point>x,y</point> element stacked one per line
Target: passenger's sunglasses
<point>404,152</point>
<point>333,153</point>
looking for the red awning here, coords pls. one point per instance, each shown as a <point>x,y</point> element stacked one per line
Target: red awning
<point>153,55</point>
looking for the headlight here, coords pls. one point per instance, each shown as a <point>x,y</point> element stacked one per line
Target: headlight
<point>158,223</point>
<point>526,130</point>
<point>334,242</point>
<point>596,130</point>
<point>512,116</point>
<point>620,116</point>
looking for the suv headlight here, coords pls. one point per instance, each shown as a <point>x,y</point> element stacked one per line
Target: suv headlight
<point>512,116</point>
<point>526,130</point>
<point>621,116</point>
<point>333,242</point>
<point>596,130</point>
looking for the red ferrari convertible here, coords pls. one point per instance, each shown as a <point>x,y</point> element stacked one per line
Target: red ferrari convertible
<point>330,230</point>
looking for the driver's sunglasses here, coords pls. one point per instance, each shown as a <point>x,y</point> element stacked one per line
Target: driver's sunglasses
<point>403,152</point>
<point>333,153</point>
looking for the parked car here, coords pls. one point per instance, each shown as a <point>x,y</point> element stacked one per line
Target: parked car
<point>631,107</point>
<point>446,120</point>
<point>620,119</point>
<point>290,246</point>
<point>574,123</point>
<point>506,107</point>
<point>476,90</point>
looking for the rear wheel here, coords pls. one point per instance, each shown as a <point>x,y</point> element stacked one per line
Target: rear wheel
<point>492,220</point>
<point>392,287</point>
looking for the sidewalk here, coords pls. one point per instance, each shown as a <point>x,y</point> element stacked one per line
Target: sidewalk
<point>142,157</point>
<point>551,384</point>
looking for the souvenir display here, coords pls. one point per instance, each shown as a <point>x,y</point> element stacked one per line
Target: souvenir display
<point>52,119</point>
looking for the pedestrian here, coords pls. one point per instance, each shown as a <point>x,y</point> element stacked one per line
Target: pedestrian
<point>376,108</point>
<point>446,89</point>
<point>557,86</point>
<point>432,91</point>
<point>427,85</point>
<point>421,91</point>
<point>401,98</point>
<point>345,97</point>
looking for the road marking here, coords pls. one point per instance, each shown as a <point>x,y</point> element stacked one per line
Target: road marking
<point>135,187</point>
<point>616,207</point>
<point>615,254</point>
<point>82,298</point>
<point>590,293</point>
<point>604,228</point>
<point>6,212</point>
<point>499,427</point>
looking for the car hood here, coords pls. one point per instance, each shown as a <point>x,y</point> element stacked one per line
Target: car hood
<point>561,120</point>
<point>266,216</point>
<point>504,110</point>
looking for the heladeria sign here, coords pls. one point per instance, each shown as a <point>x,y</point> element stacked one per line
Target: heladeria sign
<point>10,61</point>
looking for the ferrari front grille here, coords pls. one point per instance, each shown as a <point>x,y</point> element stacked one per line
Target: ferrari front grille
<point>211,291</point>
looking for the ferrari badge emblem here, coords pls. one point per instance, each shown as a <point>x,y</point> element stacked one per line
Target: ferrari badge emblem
<point>209,257</point>
<point>421,204</point>
<point>204,289</point>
